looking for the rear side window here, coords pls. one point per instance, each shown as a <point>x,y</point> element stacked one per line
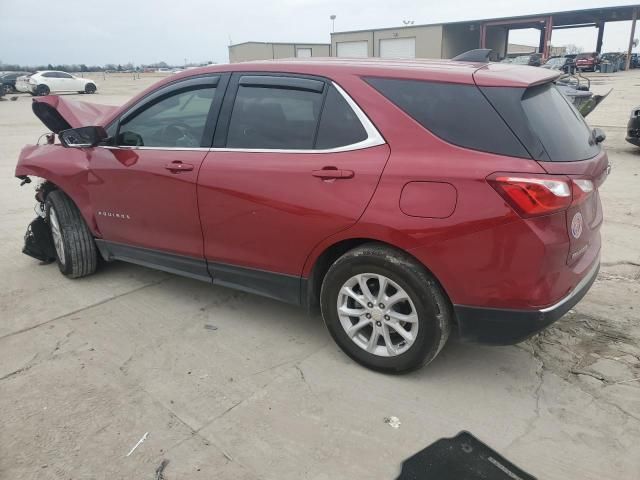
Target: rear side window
<point>274,118</point>
<point>559,127</point>
<point>339,125</point>
<point>459,114</point>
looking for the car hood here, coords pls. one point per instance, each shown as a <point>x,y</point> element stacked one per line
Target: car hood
<point>59,113</point>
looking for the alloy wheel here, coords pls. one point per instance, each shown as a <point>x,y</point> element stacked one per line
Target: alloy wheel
<point>377,314</point>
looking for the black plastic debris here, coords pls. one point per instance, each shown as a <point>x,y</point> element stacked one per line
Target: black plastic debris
<point>462,457</point>
<point>38,242</point>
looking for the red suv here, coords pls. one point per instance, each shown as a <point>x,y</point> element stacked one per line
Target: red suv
<point>402,198</point>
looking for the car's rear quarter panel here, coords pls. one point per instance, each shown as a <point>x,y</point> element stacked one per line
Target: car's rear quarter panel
<point>484,254</point>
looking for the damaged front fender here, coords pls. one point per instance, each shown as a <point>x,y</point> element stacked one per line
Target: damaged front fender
<point>67,169</point>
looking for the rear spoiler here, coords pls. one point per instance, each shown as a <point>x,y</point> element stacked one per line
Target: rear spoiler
<point>478,55</point>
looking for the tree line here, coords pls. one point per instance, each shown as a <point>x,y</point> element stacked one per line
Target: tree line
<point>81,67</point>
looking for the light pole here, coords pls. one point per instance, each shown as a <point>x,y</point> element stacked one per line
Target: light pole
<point>333,23</point>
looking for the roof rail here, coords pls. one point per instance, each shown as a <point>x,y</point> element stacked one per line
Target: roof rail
<point>480,55</point>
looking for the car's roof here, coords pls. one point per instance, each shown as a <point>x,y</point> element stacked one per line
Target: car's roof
<point>495,74</point>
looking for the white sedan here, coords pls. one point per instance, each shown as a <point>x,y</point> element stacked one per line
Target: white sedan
<point>48,81</point>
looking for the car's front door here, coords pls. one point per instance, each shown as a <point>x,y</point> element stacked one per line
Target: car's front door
<point>143,184</point>
<point>294,162</point>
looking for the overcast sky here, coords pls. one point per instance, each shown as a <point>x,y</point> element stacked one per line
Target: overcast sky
<point>146,31</point>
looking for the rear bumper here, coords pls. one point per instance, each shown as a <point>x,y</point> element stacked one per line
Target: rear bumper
<point>506,326</point>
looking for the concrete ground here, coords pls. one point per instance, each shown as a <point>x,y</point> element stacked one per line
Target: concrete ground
<point>88,366</point>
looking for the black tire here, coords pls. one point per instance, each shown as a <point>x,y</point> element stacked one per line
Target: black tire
<point>42,90</point>
<point>79,255</point>
<point>90,88</point>
<point>431,303</point>
<point>7,89</point>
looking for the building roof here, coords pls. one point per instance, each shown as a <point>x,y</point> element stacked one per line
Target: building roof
<point>568,17</point>
<point>279,43</point>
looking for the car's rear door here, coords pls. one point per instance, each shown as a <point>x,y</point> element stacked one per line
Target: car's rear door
<point>51,80</point>
<point>295,161</point>
<point>66,83</point>
<point>143,185</point>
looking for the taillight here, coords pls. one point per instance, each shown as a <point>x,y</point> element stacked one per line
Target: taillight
<point>532,196</point>
<point>582,188</point>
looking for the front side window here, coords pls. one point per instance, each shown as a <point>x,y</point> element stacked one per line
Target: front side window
<point>175,121</point>
<point>274,118</point>
<point>63,75</point>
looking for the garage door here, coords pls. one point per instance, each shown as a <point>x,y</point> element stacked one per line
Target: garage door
<point>303,52</point>
<point>398,48</point>
<point>358,49</point>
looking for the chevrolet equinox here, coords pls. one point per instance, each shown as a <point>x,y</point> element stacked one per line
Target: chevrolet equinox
<point>402,199</point>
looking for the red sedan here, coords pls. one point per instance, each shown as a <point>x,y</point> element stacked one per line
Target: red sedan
<point>401,198</point>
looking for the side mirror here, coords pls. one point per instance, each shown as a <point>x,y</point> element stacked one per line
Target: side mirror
<point>82,137</point>
<point>598,135</point>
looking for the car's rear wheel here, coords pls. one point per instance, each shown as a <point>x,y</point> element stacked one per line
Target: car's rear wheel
<point>7,89</point>
<point>76,252</point>
<point>42,90</point>
<point>90,88</point>
<point>384,309</point>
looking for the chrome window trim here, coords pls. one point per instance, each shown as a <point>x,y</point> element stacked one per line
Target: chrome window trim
<point>374,138</point>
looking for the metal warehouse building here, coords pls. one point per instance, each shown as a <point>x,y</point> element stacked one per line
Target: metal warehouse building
<point>444,40</point>
<point>243,52</point>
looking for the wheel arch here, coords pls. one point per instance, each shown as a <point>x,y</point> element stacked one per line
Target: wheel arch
<point>325,258</point>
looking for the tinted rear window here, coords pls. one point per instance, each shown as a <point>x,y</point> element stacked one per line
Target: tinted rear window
<point>339,125</point>
<point>274,118</point>
<point>459,114</point>
<point>559,127</point>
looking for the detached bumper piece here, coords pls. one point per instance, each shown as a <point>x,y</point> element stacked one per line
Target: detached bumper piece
<point>494,326</point>
<point>38,242</point>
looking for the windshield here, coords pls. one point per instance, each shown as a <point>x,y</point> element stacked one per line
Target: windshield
<point>555,61</point>
<point>522,60</point>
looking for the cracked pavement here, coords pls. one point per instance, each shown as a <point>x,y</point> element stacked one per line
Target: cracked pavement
<point>88,366</point>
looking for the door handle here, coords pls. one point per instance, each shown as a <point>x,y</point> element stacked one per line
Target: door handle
<point>177,166</point>
<point>331,173</point>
